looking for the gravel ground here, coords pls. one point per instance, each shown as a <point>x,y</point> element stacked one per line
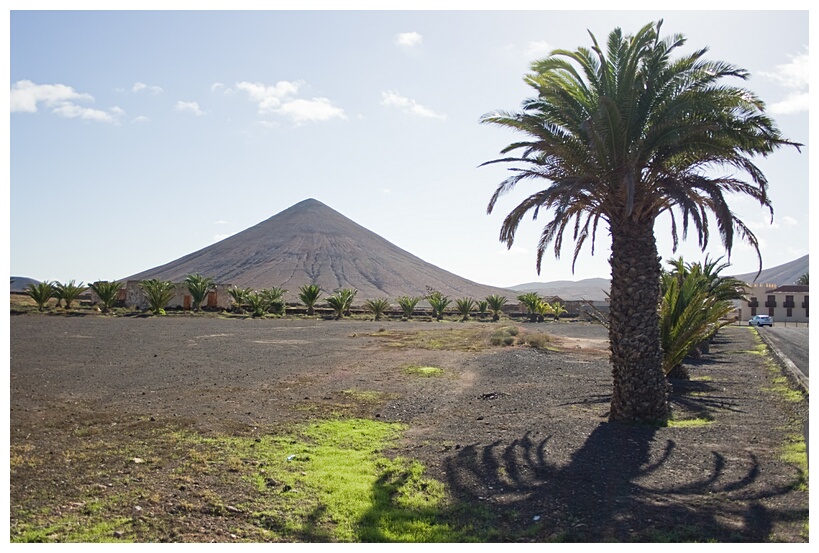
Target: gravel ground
<point>523,431</point>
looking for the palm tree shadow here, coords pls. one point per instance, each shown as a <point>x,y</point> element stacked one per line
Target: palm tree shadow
<point>616,486</point>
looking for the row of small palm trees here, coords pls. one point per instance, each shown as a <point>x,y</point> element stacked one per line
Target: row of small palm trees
<point>43,292</point>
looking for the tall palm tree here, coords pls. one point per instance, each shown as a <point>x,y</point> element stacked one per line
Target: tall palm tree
<point>623,133</point>
<point>198,286</point>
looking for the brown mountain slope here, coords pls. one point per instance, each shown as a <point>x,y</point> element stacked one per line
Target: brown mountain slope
<point>310,243</point>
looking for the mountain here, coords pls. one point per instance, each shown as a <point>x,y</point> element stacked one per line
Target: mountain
<point>780,275</point>
<point>594,289</point>
<point>310,243</point>
<point>19,284</point>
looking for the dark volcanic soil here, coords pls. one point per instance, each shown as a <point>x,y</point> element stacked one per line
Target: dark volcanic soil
<point>521,430</point>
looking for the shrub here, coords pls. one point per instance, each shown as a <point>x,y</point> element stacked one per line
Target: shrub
<point>377,307</point>
<point>504,336</point>
<point>108,292</point>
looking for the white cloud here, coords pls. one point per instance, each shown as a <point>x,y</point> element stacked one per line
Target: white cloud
<point>315,109</point>
<point>280,99</point>
<point>790,221</point>
<point>538,49</point>
<point>140,119</point>
<point>139,87</point>
<point>794,76</point>
<point>392,98</point>
<point>73,111</point>
<point>216,87</point>
<point>25,96</point>
<point>409,39</point>
<point>189,107</point>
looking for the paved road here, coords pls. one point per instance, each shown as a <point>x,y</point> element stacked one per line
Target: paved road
<point>792,341</point>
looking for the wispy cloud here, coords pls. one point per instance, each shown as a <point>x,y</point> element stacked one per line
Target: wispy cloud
<point>795,77</point>
<point>281,99</point>
<point>140,119</point>
<point>189,107</point>
<point>27,97</point>
<point>392,98</point>
<point>537,49</point>
<point>408,40</point>
<point>139,87</point>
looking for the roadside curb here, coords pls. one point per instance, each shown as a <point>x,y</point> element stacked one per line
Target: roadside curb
<point>786,363</point>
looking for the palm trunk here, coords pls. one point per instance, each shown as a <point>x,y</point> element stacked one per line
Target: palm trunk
<point>640,388</point>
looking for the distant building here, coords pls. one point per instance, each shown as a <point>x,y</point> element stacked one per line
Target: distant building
<point>785,304</point>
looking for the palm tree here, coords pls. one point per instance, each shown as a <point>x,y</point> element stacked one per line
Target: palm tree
<point>377,307</point>
<point>341,301</point>
<point>408,304</point>
<point>158,293</point>
<point>543,308</point>
<point>41,293</point>
<point>198,286</point>
<point>465,307</point>
<point>623,133</point>
<point>803,279</point>
<point>531,300</point>
<point>68,292</point>
<point>482,306</point>
<point>275,299</point>
<point>496,304</point>
<point>439,303</point>
<point>309,295</point>
<point>557,309</point>
<point>239,297</point>
<point>108,292</point>
<point>258,303</point>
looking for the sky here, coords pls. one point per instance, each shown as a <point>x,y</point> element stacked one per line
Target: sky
<point>137,137</point>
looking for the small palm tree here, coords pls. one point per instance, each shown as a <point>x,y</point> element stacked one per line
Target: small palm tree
<point>108,292</point>
<point>482,307</point>
<point>377,307</point>
<point>41,293</point>
<point>531,300</point>
<point>496,304</point>
<point>803,279</point>
<point>542,309</point>
<point>309,295</point>
<point>558,309</point>
<point>68,292</point>
<point>341,301</point>
<point>408,304</point>
<point>465,306</point>
<point>258,303</point>
<point>239,297</point>
<point>275,299</point>
<point>158,293</point>
<point>439,303</point>
<point>198,286</point>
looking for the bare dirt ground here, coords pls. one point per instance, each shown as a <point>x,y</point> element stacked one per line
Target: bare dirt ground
<point>522,431</point>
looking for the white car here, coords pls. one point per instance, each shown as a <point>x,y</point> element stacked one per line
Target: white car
<point>761,320</point>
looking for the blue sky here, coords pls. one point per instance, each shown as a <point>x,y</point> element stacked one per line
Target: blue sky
<point>137,137</point>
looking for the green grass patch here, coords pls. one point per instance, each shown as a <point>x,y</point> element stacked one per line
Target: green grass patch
<point>699,422</point>
<point>424,371</point>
